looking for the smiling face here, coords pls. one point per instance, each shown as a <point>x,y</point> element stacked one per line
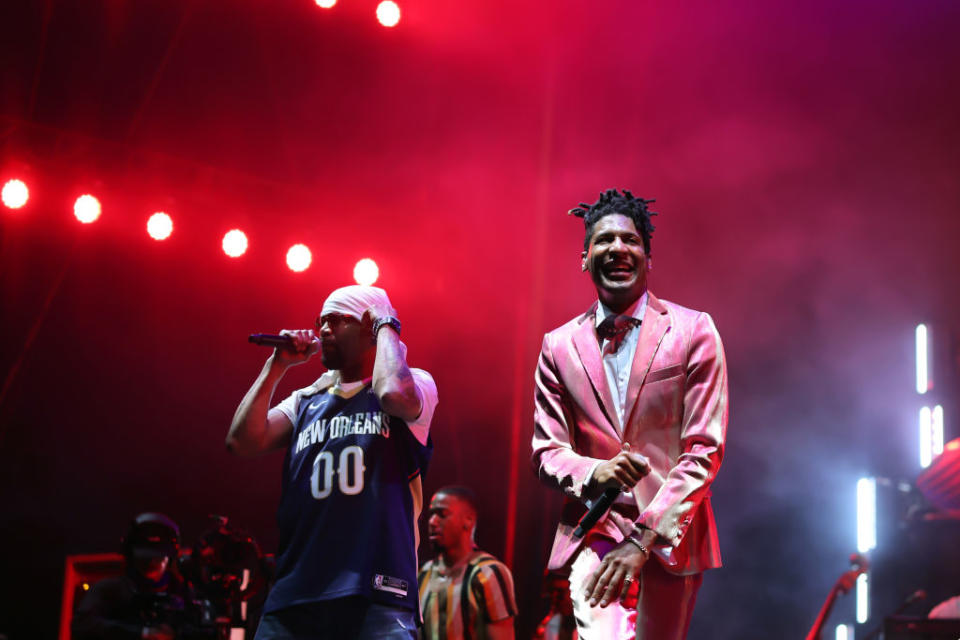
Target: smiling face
<point>617,261</point>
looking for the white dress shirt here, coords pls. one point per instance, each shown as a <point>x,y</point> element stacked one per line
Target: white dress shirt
<point>617,364</point>
<point>616,367</point>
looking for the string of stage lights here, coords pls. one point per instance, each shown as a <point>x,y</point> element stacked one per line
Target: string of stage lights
<point>87,210</point>
<point>388,11</point>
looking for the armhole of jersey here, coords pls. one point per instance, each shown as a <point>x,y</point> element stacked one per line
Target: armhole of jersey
<point>302,397</point>
<point>416,493</point>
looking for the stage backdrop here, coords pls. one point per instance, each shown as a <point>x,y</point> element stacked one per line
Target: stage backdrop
<point>803,157</point>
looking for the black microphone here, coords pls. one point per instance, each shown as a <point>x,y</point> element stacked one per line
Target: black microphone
<point>270,340</point>
<point>600,507</point>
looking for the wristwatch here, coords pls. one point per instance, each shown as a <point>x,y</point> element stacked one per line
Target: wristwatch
<point>379,323</point>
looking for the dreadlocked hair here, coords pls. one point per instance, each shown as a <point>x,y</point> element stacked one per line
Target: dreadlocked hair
<point>612,201</point>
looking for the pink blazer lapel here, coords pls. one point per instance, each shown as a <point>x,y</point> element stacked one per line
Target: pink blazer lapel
<point>588,348</point>
<point>655,325</point>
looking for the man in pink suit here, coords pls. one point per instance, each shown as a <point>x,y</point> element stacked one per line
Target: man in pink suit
<point>631,394</point>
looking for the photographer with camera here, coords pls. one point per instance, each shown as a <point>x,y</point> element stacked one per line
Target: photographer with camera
<point>149,600</point>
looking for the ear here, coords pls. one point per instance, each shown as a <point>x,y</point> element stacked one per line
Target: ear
<point>583,261</point>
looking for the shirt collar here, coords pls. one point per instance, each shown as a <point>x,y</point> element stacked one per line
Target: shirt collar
<point>348,389</point>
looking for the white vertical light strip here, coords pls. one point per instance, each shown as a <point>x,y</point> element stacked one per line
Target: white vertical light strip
<point>844,632</point>
<point>923,371</point>
<point>936,431</point>
<point>926,436</point>
<point>866,514</point>
<point>863,598</point>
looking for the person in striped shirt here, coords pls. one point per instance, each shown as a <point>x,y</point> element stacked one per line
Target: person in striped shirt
<point>464,592</point>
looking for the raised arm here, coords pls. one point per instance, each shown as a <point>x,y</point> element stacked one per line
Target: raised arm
<point>256,428</point>
<point>392,382</point>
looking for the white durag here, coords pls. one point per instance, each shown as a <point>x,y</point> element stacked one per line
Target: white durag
<point>354,301</point>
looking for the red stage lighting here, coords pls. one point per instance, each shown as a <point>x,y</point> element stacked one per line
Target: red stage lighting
<point>298,257</point>
<point>366,272</point>
<point>15,194</point>
<point>86,209</point>
<point>235,243</point>
<point>326,4</point>
<point>160,226</point>
<point>388,13</point>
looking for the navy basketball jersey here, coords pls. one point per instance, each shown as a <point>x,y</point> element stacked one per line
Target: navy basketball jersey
<point>346,513</point>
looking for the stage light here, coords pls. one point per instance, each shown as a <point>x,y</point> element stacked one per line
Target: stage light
<point>923,367</point>
<point>366,271</point>
<point>926,436</point>
<point>86,209</point>
<point>298,257</point>
<point>15,194</point>
<point>235,243</point>
<point>866,514</point>
<point>863,598</point>
<point>844,632</point>
<point>388,13</point>
<point>326,4</point>
<point>936,431</point>
<point>160,226</point>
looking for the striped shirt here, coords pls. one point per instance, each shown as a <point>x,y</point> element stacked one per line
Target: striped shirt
<point>461,602</point>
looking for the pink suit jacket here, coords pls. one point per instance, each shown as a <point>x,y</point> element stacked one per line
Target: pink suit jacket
<point>675,415</point>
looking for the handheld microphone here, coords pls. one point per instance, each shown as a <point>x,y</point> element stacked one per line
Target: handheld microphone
<point>600,507</point>
<point>270,340</point>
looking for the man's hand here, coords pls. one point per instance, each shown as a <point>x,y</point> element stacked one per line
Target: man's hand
<point>377,311</point>
<point>305,344</point>
<point>622,470</point>
<point>619,567</point>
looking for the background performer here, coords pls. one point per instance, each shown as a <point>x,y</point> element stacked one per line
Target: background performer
<point>464,592</point>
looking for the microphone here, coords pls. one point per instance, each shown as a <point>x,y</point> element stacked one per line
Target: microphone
<point>600,507</point>
<point>270,340</point>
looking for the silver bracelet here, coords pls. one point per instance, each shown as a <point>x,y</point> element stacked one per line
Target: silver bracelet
<point>639,545</point>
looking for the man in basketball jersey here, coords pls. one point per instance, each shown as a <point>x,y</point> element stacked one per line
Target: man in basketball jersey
<point>357,442</point>
<point>464,592</point>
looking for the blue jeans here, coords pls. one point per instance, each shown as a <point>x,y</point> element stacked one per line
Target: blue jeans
<point>341,619</point>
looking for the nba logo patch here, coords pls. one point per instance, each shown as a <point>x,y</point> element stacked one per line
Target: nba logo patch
<point>390,584</point>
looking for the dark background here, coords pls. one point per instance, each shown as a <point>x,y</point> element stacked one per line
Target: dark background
<point>804,158</point>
